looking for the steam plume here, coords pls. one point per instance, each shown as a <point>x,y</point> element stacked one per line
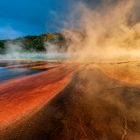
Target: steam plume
<point>107,31</point>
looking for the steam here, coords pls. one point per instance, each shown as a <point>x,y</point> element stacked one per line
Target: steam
<point>13,50</point>
<point>107,31</point>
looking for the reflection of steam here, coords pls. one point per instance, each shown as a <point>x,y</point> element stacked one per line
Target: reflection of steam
<point>109,31</point>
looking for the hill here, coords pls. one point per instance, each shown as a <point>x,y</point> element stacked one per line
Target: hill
<point>39,43</point>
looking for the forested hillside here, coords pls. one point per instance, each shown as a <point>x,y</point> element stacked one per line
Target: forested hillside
<point>35,43</point>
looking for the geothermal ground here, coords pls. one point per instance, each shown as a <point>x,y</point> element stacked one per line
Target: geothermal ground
<point>66,101</point>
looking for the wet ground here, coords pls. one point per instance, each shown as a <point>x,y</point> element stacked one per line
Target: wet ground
<point>17,68</point>
<point>94,105</point>
<point>7,74</point>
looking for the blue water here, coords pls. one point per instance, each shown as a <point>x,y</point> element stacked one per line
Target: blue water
<point>36,56</point>
<point>6,73</point>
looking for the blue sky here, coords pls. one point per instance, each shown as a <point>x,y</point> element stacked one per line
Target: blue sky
<point>32,17</point>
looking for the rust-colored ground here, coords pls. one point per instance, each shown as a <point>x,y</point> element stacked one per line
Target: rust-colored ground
<point>97,103</point>
<point>24,96</point>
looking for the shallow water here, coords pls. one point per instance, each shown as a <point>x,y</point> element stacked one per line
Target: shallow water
<point>35,56</point>
<point>10,73</point>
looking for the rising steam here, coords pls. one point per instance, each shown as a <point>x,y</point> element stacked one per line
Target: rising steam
<point>107,31</point>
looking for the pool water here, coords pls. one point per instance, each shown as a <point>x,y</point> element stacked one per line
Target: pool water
<point>10,73</point>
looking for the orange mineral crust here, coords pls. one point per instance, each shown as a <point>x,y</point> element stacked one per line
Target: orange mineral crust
<point>24,96</point>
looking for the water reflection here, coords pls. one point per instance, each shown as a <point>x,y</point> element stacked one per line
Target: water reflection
<point>9,73</point>
<point>10,69</point>
<point>13,69</point>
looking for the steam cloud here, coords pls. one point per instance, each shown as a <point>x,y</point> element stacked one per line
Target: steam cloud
<point>111,29</point>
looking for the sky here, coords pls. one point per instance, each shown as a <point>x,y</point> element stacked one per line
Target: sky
<point>32,17</point>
